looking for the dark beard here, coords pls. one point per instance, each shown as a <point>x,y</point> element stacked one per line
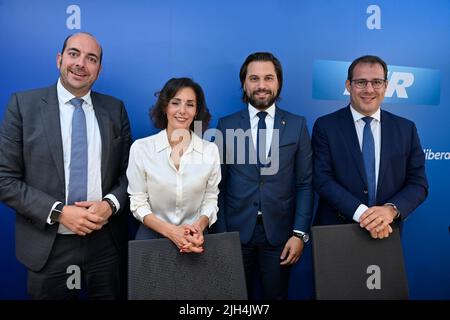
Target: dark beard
<point>261,104</point>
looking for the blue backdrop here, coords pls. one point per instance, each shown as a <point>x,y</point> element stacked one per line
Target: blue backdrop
<point>147,42</point>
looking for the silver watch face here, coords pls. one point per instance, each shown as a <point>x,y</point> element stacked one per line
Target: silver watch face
<point>305,238</point>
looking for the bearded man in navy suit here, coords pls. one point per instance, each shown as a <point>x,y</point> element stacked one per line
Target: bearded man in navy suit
<point>369,166</point>
<point>266,189</point>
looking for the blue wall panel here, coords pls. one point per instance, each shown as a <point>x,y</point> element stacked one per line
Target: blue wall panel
<point>147,42</point>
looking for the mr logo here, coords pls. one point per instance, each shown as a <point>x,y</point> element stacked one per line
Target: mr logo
<point>374,280</point>
<point>407,85</point>
<point>398,82</point>
<point>74,280</point>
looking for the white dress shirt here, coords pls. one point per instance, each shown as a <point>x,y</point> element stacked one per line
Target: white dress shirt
<point>94,187</point>
<point>270,120</point>
<point>375,126</point>
<point>175,196</point>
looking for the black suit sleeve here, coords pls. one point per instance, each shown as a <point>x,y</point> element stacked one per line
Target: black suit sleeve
<point>324,179</point>
<point>221,224</point>
<point>119,189</point>
<point>415,188</point>
<point>26,199</point>
<point>303,181</point>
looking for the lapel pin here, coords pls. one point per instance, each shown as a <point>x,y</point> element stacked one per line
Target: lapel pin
<point>283,122</point>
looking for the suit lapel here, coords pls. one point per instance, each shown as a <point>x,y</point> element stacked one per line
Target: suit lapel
<point>279,124</point>
<point>104,124</point>
<point>385,134</point>
<point>49,111</point>
<point>347,126</point>
<point>245,120</point>
<point>250,150</point>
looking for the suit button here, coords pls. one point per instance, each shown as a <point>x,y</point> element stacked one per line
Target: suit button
<point>255,204</point>
<point>261,183</point>
<point>366,192</point>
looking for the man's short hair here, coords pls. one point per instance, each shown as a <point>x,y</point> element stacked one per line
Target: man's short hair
<point>367,59</point>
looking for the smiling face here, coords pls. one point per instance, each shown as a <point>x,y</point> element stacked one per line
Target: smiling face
<point>367,100</point>
<point>181,110</point>
<point>79,64</point>
<point>261,84</point>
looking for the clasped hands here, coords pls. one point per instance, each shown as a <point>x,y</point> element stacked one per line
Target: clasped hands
<point>377,221</point>
<point>188,238</point>
<point>85,217</point>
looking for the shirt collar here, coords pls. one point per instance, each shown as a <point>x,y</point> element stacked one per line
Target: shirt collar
<point>252,111</point>
<point>162,142</point>
<point>65,96</point>
<point>358,116</point>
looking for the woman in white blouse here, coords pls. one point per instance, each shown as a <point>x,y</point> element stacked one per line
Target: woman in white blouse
<point>173,176</point>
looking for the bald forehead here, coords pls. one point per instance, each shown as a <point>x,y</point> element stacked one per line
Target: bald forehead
<point>83,42</point>
<point>85,39</point>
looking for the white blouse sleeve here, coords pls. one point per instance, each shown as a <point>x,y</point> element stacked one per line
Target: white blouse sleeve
<point>137,183</point>
<point>209,206</point>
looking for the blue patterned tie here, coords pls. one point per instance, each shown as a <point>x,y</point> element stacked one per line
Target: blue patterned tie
<point>368,152</point>
<point>78,155</point>
<point>261,139</point>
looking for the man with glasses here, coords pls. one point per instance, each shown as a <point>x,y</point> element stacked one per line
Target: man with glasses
<point>369,166</point>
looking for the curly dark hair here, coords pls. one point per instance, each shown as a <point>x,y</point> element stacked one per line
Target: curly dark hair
<point>170,89</point>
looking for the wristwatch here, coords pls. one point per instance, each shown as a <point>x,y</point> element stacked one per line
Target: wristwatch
<point>395,208</point>
<point>302,236</point>
<point>111,204</point>
<point>56,213</point>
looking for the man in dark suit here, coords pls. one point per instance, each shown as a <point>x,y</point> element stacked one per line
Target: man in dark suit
<point>266,189</point>
<point>63,163</point>
<point>369,166</point>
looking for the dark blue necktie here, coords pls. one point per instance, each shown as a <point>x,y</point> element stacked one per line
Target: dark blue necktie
<point>78,155</point>
<point>368,152</point>
<point>261,139</point>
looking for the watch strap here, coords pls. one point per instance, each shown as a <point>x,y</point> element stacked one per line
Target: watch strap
<point>397,216</point>
<point>56,212</point>
<point>111,204</point>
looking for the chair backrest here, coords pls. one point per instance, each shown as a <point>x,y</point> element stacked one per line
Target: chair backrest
<point>349,264</point>
<point>156,270</point>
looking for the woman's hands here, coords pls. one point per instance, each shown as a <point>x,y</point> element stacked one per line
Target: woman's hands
<point>194,236</point>
<point>188,238</point>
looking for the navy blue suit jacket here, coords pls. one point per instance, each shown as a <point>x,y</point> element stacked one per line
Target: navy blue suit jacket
<point>339,177</point>
<point>286,196</point>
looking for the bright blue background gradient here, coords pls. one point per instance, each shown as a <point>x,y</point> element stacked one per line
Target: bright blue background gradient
<point>147,42</point>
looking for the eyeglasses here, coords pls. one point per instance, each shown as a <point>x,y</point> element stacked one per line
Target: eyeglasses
<point>362,83</point>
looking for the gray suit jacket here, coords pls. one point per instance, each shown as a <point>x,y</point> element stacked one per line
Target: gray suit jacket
<point>32,167</point>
